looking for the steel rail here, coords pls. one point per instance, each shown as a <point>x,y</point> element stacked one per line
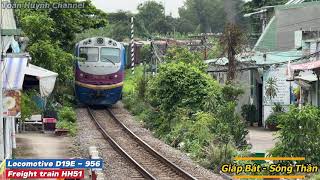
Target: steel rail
<point>119,149</point>
<point>164,160</point>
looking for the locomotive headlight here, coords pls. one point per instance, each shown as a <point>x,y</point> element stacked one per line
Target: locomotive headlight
<point>81,75</point>
<point>115,76</point>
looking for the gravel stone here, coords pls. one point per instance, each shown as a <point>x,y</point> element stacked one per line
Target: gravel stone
<point>115,166</point>
<point>174,155</point>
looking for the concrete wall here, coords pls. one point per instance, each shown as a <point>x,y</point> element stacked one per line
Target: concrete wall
<point>243,79</point>
<point>288,20</point>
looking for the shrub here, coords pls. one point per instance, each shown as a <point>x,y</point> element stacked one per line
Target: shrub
<point>273,120</point>
<point>236,127</point>
<point>248,112</point>
<point>142,87</point>
<point>231,92</point>
<point>67,114</point>
<point>71,127</point>
<point>219,154</point>
<point>28,106</point>
<point>180,85</point>
<point>277,108</point>
<point>299,134</point>
<point>67,120</point>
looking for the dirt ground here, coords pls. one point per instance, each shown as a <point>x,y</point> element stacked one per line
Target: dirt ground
<point>42,145</point>
<point>261,139</point>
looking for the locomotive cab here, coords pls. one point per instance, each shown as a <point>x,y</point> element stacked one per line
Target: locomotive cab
<point>99,71</point>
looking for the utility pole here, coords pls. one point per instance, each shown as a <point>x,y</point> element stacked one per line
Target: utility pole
<point>1,89</point>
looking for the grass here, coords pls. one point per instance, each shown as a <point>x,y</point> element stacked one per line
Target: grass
<point>131,80</point>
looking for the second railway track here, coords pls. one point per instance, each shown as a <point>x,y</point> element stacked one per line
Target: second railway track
<point>147,161</point>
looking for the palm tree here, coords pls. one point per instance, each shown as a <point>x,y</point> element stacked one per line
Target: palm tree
<point>271,88</point>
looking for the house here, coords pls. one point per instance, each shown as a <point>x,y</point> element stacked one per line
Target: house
<point>11,80</point>
<point>14,66</point>
<point>277,46</point>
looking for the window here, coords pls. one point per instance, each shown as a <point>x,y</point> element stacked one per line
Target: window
<point>91,54</point>
<point>110,55</point>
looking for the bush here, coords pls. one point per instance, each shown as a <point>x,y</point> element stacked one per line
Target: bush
<point>236,127</point>
<point>188,109</point>
<point>67,120</point>
<point>248,112</point>
<point>273,120</point>
<point>28,106</point>
<point>67,114</point>
<point>71,127</point>
<point>180,85</point>
<point>277,108</point>
<point>299,134</point>
<point>219,154</point>
<point>142,87</point>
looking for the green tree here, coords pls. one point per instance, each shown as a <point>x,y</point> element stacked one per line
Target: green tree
<point>208,14</point>
<point>120,25</point>
<point>63,23</point>
<point>49,55</point>
<point>271,88</point>
<point>34,29</point>
<point>151,17</point>
<point>181,54</point>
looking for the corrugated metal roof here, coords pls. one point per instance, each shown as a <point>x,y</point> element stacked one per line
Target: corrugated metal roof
<point>258,58</point>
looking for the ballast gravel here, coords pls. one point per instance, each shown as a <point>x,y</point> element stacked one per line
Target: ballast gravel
<point>115,166</point>
<point>174,155</point>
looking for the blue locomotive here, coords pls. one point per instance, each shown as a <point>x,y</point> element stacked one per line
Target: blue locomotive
<point>99,71</point>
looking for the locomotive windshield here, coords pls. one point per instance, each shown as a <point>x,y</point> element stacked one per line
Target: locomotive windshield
<point>110,55</point>
<point>91,54</point>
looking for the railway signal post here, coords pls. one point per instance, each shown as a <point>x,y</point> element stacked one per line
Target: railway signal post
<point>132,44</point>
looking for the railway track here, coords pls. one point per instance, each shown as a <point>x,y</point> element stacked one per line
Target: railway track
<point>146,160</point>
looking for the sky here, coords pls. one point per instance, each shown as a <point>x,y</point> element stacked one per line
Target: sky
<point>131,5</point>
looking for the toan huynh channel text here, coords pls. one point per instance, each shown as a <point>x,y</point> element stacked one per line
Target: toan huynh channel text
<point>50,168</point>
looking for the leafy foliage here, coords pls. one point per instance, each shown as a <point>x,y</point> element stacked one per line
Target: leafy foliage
<point>187,108</point>
<point>271,88</point>
<point>67,114</point>
<point>52,41</point>
<point>48,55</point>
<point>28,106</point>
<point>67,120</point>
<point>248,112</point>
<point>182,54</point>
<point>182,85</point>
<point>71,127</point>
<point>273,120</point>
<point>151,18</point>
<point>299,134</point>
<point>209,15</point>
<point>231,92</point>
